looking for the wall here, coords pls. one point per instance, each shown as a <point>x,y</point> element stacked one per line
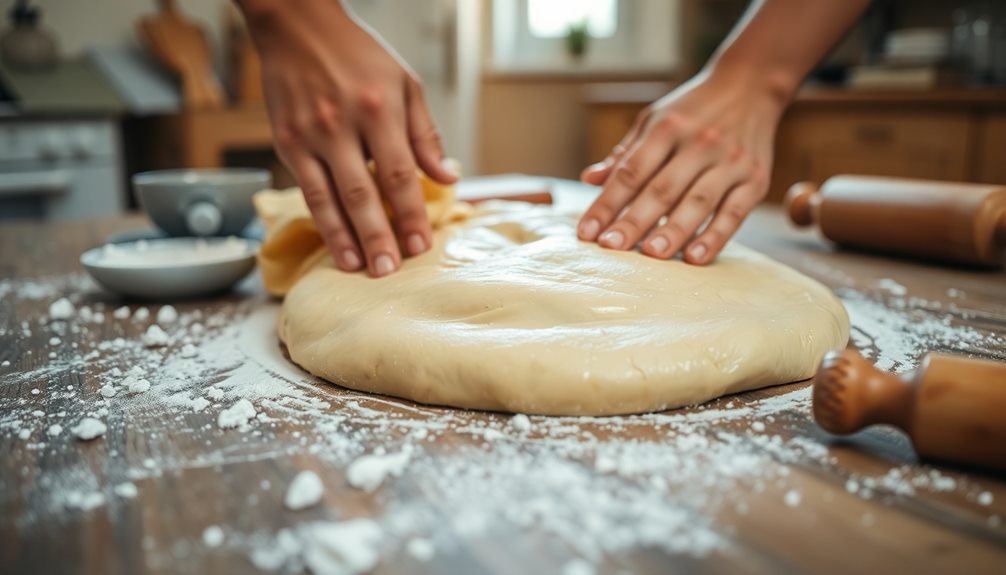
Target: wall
<point>536,122</point>
<point>83,23</point>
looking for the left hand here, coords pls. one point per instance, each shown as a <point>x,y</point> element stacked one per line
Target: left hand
<point>703,150</point>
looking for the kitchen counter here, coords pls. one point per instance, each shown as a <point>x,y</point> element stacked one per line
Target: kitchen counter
<point>746,483</point>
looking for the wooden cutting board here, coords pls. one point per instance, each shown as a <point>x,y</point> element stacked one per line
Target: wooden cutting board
<point>181,45</point>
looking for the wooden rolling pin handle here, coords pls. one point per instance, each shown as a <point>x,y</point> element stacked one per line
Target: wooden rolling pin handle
<point>952,408</point>
<point>803,203</point>
<point>850,394</point>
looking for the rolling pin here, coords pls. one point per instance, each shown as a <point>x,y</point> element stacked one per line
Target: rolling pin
<point>942,221</point>
<point>952,408</point>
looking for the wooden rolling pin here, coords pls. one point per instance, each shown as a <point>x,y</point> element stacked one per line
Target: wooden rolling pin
<point>942,221</point>
<point>952,408</point>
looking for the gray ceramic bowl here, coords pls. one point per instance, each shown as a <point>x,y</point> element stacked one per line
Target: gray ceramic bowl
<point>171,268</point>
<point>210,202</point>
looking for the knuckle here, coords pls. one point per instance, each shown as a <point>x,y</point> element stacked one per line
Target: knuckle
<point>398,177</point>
<point>714,238</point>
<point>286,136</point>
<point>371,100</point>
<point>732,216</point>
<point>675,231</point>
<point>667,123</point>
<point>663,190</point>
<point>315,195</point>
<point>376,240</point>
<point>632,222</point>
<point>627,174</point>
<point>701,198</point>
<point>429,136</point>
<point>356,195</point>
<point>327,117</point>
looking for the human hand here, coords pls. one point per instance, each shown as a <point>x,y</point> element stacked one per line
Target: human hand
<point>336,94</point>
<point>703,150</point>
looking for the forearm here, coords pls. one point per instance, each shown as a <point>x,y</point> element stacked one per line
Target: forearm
<point>778,42</point>
<point>264,16</point>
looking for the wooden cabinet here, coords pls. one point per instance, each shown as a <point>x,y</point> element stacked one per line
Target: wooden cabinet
<point>957,135</point>
<point>992,149</point>
<point>814,144</point>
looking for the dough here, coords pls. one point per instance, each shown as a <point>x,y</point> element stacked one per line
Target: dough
<point>509,311</point>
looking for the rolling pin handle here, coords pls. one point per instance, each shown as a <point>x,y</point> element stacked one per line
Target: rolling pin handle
<point>850,394</point>
<point>802,202</point>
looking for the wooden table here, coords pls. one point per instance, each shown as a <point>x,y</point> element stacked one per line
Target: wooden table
<point>816,504</point>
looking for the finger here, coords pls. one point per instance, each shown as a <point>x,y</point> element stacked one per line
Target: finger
<point>425,138</point>
<point>596,174</point>
<point>628,177</point>
<point>320,197</point>
<point>399,184</point>
<point>664,190</point>
<point>694,207</point>
<point>729,217</point>
<point>361,201</point>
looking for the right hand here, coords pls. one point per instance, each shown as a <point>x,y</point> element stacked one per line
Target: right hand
<point>335,94</point>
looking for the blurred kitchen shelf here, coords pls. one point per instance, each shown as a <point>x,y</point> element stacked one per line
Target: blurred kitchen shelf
<point>578,74</point>
<point>944,134</point>
<point>937,96</point>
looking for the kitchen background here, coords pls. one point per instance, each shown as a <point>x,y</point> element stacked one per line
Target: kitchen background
<point>87,96</point>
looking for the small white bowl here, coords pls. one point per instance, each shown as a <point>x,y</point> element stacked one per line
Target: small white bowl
<point>171,268</point>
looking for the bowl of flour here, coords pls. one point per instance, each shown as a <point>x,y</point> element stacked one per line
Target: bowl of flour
<point>171,268</point>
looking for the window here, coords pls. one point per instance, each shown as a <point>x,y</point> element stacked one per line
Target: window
<point>636,35</point>
<point>553,18</point>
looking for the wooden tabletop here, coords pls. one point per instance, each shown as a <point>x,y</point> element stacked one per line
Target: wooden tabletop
<point>742,484</point>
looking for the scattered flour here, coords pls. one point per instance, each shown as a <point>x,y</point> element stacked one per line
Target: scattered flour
<point>421,549</point>
<point>237,415</point>
<point>345,548</point>
<point>305,491</point>
<point>126,490</point>
<point>578,567</point>
<point>368,472</point>
<point>155,336</point>
<point>598,486</point>
<point>89,428</point>
<point>213,536</point>
<point>520,422</point>
<point>167,315</point>
<point>61,310</point>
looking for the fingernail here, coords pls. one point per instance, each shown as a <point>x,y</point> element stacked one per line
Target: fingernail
<point>659,244</point>
<point>351,260</point>
<point>450,165</point>
<point>383,265</point>
<point>613,239</point>
<point>590,229</point>
<point>697,251</point>
<point>415,244</point>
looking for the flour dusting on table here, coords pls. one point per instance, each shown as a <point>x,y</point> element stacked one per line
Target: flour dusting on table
<point>600,487</point>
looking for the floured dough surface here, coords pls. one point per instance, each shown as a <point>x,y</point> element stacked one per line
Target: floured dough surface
<point>510,311</point>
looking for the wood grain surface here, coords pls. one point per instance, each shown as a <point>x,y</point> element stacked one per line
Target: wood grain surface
<point>200,476</point>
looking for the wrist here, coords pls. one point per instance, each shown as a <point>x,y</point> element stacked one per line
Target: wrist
<point>776,86</point>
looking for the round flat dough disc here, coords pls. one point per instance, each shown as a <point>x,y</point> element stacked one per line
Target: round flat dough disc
<point>509,311</point>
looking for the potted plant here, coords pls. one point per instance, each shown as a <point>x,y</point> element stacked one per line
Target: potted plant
<point>577,36</point>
